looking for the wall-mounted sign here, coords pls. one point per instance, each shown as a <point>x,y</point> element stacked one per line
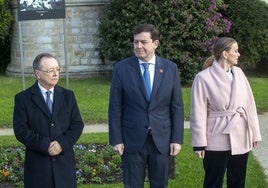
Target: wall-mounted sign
<point>40,9</point>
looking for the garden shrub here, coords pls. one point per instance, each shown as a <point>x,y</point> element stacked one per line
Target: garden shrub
<point>5,48</point>
<point>95,163</point>
<point>5,25</point>
<point>6,19</point>
<point>262,65</point>
<point>187,30</point>
<point>250,29</point>
<point>11,165</point>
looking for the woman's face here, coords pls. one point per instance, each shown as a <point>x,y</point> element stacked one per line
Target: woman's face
<point>232,55</point>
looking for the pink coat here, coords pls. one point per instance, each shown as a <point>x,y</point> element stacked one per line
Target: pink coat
<point>223,112</point>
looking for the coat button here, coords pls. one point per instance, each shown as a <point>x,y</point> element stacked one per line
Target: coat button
<point>52,124</point>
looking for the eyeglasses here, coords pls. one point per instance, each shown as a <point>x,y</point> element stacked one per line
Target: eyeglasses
<point>50,71</point>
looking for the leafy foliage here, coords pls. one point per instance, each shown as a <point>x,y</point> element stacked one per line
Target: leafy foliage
<point>11,164</point>
<point>5,24</point>
<point>187,29</point>
<point>96,163</point>
<point>5,48</point>
<point>6,19</point>
<point>250,28</point>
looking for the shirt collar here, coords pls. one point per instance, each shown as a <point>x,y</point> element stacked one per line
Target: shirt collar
<point>44,90</point>
<point>151,61</point>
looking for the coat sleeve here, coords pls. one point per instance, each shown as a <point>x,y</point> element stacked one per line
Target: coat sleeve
<point>253,120</point>
<point>27,136</point>
<point>115,109</point>
<point>177,111</point>
<point>198,113</point>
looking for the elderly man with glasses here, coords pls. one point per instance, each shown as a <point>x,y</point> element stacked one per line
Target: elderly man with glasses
<point>48,122</point>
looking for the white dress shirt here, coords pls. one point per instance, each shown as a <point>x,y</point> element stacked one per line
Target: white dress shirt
<point>151,69</point>
<point>43,91</point>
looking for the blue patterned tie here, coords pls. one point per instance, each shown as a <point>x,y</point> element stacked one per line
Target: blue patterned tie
<point>48,101</point>
<point>146,78</point>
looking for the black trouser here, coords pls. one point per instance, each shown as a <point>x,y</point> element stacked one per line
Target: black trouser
<point>215,164</point>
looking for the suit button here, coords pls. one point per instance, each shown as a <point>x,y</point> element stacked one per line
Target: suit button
<point>52,124</point>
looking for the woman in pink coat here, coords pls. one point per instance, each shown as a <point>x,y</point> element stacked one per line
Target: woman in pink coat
<point>224,122</point>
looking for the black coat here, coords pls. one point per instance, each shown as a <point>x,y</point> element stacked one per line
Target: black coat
<point>35,128</point>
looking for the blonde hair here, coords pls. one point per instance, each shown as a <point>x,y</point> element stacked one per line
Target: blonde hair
<point>221,44</point>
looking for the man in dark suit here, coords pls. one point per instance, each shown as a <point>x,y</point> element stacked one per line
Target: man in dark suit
<point>146,126</point>
<point>48,131</point>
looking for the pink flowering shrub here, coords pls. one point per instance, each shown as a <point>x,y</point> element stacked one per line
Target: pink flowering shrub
<point>187,28</point>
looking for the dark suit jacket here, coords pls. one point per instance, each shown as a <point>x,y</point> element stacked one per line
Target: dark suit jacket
<point>35,128</point>
<point>131,113</point>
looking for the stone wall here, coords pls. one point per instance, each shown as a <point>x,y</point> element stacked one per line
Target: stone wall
<point>81,28</point>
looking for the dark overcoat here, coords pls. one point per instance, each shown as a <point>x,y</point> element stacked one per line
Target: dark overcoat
<point>36,128</point>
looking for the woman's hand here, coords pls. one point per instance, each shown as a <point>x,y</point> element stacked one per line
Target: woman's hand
<point>200,154</point>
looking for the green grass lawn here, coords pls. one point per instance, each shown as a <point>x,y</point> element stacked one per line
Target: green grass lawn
<point>93,95</point>
<point>188,169</point>
<point>260,91</point>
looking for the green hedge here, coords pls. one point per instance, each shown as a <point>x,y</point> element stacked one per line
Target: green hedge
<point>187,30</point>
<point>5,36</point>
<point>5,19</point>
<point>250,29</point>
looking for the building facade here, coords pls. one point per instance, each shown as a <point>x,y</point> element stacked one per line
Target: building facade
<point>72,40</point>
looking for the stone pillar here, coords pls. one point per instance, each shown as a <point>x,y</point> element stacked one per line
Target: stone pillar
<point>81,26</point>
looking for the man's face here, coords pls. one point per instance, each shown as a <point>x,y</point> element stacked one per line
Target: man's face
<point>144,46</point>
<point>48,72</point>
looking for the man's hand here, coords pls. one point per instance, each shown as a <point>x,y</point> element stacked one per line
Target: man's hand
<point>174,149</point>
<point>54,148</point>
<point>119,148</point>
